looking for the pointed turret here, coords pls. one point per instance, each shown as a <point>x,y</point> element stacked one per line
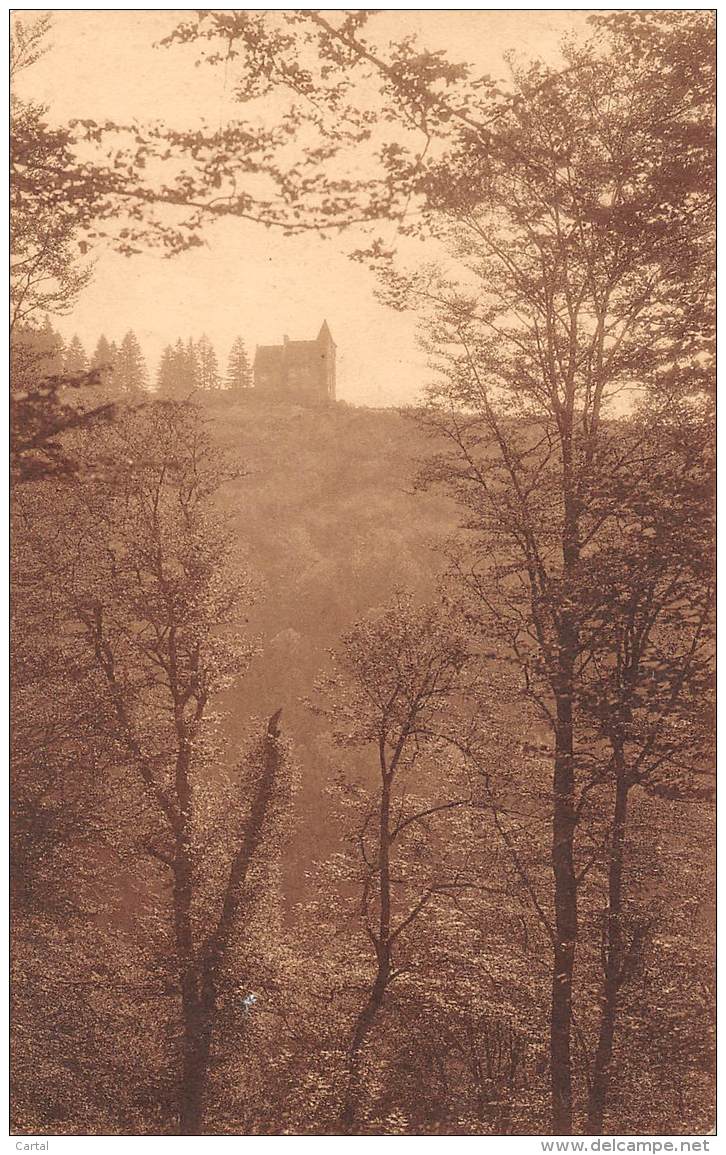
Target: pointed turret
<point>325,337</point>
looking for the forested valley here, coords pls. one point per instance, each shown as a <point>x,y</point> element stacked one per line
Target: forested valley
<point>362,759</point>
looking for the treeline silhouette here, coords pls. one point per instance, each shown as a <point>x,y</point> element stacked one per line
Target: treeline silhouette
<point>184,367</point>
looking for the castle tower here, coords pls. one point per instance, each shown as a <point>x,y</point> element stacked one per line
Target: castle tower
<point>327,354</point>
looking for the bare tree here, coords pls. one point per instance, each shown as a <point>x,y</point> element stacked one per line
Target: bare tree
<point>569,315</point>
<point>400,670</point>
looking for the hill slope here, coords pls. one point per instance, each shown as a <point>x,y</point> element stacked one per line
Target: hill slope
<point>327,518</point>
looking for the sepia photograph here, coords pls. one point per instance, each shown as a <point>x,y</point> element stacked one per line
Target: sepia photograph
<point>362,575</point>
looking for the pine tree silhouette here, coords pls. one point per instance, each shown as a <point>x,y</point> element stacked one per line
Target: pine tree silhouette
<point>239,370</point>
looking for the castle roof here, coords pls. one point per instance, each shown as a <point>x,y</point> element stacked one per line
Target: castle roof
<point>270,357</point>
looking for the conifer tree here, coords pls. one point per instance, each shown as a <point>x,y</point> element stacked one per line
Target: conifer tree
<point>104,358</point>
<point>131,374</point>
<point>239,372</point>
<point>208,365</point>
<point>180,370</point>
<point>165,374</point>
<point>192,373</point>
<point>49,345</point>
<point>102,353</point>
<point>76,360</point>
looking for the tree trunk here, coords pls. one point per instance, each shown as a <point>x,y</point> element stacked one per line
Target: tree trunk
<point>614,961</point>
<point>200,970</point>
<point>367,1016</point>
<point>196,1010</point>
<point>565,895</point>
<point>198,1026</point>
<point>563,814</point>
<point>362,1029</point>
<point>196,1016</point>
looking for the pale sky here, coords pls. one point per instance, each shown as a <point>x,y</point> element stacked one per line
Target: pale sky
<point>246,281</point>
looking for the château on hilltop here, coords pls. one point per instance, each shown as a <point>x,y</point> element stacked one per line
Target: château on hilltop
<point>299,370</point>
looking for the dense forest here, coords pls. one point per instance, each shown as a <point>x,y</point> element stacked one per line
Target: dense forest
<point>362,767</point>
